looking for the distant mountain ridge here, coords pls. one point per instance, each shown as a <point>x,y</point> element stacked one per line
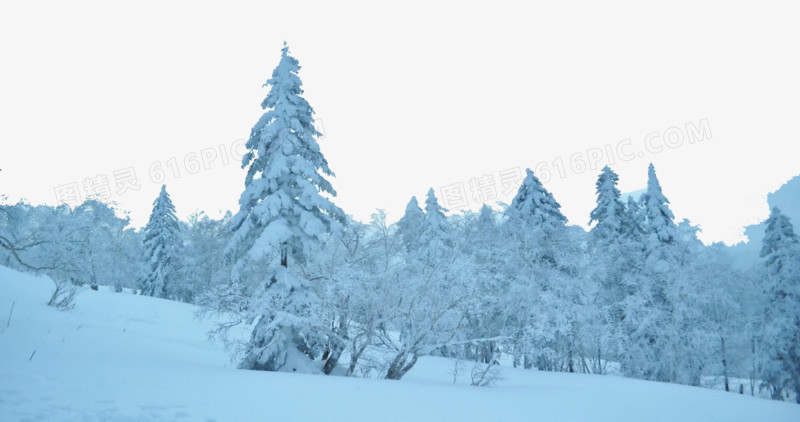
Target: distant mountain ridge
<point>787,198</point>
<point>745,254</point>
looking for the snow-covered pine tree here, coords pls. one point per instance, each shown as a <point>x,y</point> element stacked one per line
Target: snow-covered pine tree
<point>435,232</point>
<point>780,243</point>
<point>662,233</point>
<point>409,226</point>
<point>162,242</point>
<point>534,219</point>
<point>545,259</point>
<point>781,252</point>
<point>283,213</point>
<point>660,223</point>
<point>535,205</point>
<point>653,329</point>
<point>633,220</point>
<point>609,212</point>
<point>612,254</point>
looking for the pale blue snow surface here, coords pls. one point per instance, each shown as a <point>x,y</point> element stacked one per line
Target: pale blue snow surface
<point>122,357</point>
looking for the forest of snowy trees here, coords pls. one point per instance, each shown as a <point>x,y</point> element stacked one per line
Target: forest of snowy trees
<point>638,294</point>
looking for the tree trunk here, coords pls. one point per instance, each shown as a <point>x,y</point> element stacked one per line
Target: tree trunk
<point>725,374</point>
<point>527,362</point>
<point>570,358</point>
<point>353,362</point>
<point>400,365</point>
<point>334,353</point>
<point>753,368</point>
<point>724,365</point>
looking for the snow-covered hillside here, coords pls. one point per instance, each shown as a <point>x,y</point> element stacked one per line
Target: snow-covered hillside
<point>121,357</point>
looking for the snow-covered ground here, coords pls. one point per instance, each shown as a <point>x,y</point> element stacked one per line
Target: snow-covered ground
<point>121,357</point>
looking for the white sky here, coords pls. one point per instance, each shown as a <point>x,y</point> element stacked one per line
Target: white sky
<point>411,96</point>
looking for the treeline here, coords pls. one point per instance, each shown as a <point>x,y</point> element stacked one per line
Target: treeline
<point>638,294</point>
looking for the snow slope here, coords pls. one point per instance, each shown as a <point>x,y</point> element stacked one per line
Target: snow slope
<point>120,357</point>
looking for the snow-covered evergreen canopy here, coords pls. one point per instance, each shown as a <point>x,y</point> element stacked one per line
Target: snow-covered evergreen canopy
<point>660,220</point>
<point>780,242</point>
<point>435,222</point>
<point>161,242</point>
<point>284,203</point>
<point>534,204</point>
<point>609,212</point>
<point>632,220</point>
<point>283,210</point>
<point>409,226</point>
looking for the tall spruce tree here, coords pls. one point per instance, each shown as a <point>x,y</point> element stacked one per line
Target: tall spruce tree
<point>660,224</point>
<point>283,213</point>
<point>653,351</point>
<point>534,218</point>
<point>545,261</point>
<point>609,212</point>
<point>535,205</point>
<point>780,243</point>
<point>409,226</point>
<point>435,232</point>
<point>781,252</point>
<point>162,241</point>
<point>612,255</point>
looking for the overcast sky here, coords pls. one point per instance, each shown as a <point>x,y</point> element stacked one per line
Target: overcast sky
<point>455,97</point>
